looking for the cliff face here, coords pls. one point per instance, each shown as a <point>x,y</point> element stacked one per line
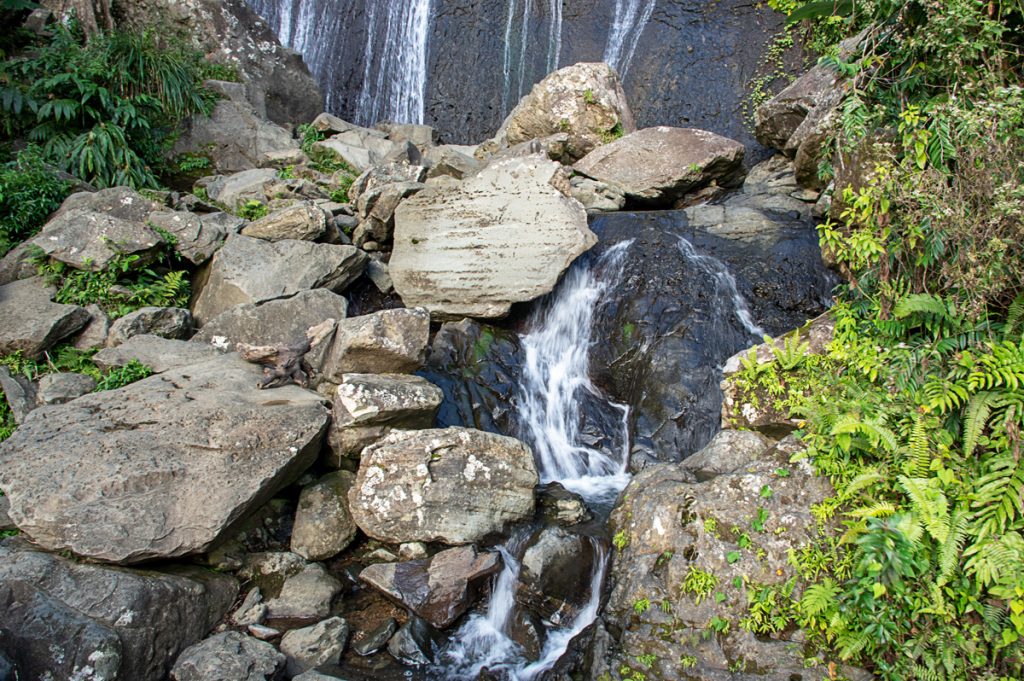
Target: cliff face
<point>277,82</point>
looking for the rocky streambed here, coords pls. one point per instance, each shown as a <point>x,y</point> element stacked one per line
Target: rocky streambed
<point>486,344</point>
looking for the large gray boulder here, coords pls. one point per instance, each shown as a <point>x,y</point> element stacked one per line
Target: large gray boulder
<point>230,656</point>
<point>159,354</point>
<point>273,322</point>
<point>61,619</point>
<point>503,236</point>
<point>661,513</point>
<point>247,271</point>
<point>360,148</point>
<point>173,462</point>
<point>369,406</point>
<point>585,101</point>
<point>453,486</point>
<point>658,166</point>
<point>197,237</point>
<point>306,595</point>
<point>233,136</point>
<point>323,524</point>
<point>389,341</point>
<point>30,322</point>
<point>92,229</point>
<point>310,647</point>
<point>440,588</point>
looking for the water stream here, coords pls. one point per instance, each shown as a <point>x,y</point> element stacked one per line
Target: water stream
<point>555,374</point>
<point>725,285</point>
<point>630,19</point>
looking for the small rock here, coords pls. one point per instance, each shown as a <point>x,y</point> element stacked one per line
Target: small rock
<point>377,271</point>
<point>307,595</point>
<point>94,335</point>
<point>323,643</point>
<point>414,643</point>
<point>251,611</point>
<point>727,452</point>
<point>263,633</point>
<point>440,588</point>
<point>229,656</point>
<point>19,392</point>
<point>561,506</point>
<point>374,640</point>
<point>369,406</point>
<point>234,190</point>
<point>323,525</point>
<point>60,388</point>
<point>412,550</point>
<point>381,555</point>
<point>596,196</point>
<point>166,322</point>
<point>390,341</point>
<point>303,221</point>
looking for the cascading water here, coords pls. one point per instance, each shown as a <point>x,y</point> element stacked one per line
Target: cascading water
<point>395,62</point>
<point>555,373</point>
<point>631,17</point>
<point>725,285</point>
<point>515,55</point>
<point>312,28</point>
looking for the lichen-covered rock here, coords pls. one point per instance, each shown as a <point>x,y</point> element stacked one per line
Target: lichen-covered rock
<point>323,524</point>
<point>453,486</point>
<point>585,101</point>
<point>503,236</point>
<point>683,542</point>
<point>62,387</point>
<point>174,461</point>
<point>369,406</point>
<point>440,588</point>
<point>236,189</point>
<point>658,166</point>
<point>61,619</point>
<point>306,595</point>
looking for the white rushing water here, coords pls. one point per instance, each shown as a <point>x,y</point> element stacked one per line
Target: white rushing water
<point>555,374</point>
<point>725,285</point>
<point>516,53</point>
<point>395,62</point>
<point>628,23</point>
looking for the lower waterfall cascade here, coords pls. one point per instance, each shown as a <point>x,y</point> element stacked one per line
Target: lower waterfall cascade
<point>556,371</point>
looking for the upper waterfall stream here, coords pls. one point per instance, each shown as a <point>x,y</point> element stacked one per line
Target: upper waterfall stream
<point>555,374</point>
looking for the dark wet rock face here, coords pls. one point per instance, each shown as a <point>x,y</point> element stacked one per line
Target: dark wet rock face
<point>672,321</point>
<point>691,68</point>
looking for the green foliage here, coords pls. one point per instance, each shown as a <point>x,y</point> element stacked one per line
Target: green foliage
<point>29,193</point>
<point>188,163</point>
<point>642,606</point>
<point>253,210</point>
<point>699,583</point>
<point>104,110</point>
<point>124,286</point>
<point>621,540</point>
<point>122,376</point>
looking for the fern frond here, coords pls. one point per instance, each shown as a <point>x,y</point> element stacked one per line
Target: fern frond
<point>929,505</point>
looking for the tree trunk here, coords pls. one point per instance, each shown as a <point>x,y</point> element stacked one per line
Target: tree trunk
<point>93,15</point>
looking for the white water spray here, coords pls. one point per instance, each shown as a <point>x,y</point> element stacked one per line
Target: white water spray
<point>555,374</point>
<point>628,23</point>
<point>725,284</point>
<point>515,62</point>
<point>395,62</point>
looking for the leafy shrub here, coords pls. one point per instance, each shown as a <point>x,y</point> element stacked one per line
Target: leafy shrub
<point>29,193</point>
<point>104,110</point>
<point>253,210</point>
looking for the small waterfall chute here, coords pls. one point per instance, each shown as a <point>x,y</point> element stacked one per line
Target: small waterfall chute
<point>516,52</point>
<point>628,23</point>
<point>555,374</point>
<point>725,285</point>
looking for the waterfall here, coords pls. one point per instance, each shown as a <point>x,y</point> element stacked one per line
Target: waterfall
<point>725,285</point>
<point>395,62</point>
<point>515,55</point>
<point>630,19</point>
<point>555,374</point>
<point>313,28</point>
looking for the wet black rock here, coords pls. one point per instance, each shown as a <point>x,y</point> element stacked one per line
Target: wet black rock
<point>416,642</point>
